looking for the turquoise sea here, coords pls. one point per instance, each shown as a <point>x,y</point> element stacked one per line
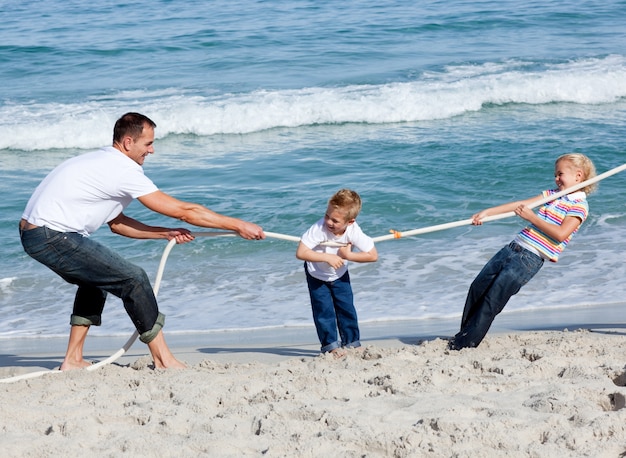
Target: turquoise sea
<point>430,110</point>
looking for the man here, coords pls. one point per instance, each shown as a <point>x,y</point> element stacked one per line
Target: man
<point>82,194</point>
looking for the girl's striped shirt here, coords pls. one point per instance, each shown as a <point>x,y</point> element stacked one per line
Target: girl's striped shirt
<point>554,212</point>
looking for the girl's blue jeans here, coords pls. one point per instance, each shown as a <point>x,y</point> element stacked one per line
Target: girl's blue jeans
<point>333,309</point>
<point>501,278</point>
<point>96,270</point>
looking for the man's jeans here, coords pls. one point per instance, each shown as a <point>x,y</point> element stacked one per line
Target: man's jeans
<point>333,307</point>
<point>96,270</point>
<point>501,278</point>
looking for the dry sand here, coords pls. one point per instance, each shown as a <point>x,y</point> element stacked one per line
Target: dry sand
<point>545,393</point>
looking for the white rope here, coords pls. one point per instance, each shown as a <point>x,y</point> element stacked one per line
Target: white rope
<point>439,227</point>
<point>274,235</point>
<point>394,235</point>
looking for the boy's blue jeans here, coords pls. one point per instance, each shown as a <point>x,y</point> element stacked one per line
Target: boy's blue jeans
<point>333,308</point>
<point>96,270</point>
<point>501,278</point>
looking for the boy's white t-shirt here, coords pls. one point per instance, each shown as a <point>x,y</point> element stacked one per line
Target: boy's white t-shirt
<point>86,191</point>
<point>319,233</point>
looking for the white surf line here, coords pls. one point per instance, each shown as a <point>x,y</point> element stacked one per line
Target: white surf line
<point>394,235</point>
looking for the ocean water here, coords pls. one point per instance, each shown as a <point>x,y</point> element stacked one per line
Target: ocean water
<point>431,110</point>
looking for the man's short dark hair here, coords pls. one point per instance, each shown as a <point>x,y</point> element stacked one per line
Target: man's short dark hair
<point>131,124</point>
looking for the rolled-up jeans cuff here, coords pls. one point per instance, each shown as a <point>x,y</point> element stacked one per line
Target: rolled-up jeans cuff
<point>355,344</point>
<point>149,336</point>
<point>93,320</point>
<point>330,347</point>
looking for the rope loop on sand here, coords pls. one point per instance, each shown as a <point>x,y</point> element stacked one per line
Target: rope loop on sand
<point>393,235</point>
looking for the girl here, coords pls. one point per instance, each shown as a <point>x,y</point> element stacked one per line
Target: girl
<point>548,233</point>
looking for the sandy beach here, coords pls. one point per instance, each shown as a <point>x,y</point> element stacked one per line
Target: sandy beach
<point>533,388</point>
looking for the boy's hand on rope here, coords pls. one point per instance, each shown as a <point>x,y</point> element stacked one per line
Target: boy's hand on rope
<point>334,261</point>
<point>344,251</point>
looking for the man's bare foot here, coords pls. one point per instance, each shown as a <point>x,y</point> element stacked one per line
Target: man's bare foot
<point>73,365</point>
<point>74,354</point>
<point>170,363</point>
<point>162,356</point>
<point>338,353</point>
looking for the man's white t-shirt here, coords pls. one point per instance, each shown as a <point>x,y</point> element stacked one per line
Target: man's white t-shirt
<point>86,191</point>
<point>319,233</point>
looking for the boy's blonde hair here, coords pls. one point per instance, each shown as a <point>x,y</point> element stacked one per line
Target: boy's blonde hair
<point>347,200</point>
<point>582,162</point>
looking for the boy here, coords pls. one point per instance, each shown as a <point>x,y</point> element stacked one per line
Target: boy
<point>326,270</point>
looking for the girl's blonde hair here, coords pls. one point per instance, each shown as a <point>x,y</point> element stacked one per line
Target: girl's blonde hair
<point>584,164</point>
<point>347,200</point>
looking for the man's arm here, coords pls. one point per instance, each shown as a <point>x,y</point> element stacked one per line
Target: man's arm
<point>129,227</point>
<point>199,215</point>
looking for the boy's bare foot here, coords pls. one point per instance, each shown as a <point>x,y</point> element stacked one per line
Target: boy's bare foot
<point>338,353</point>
